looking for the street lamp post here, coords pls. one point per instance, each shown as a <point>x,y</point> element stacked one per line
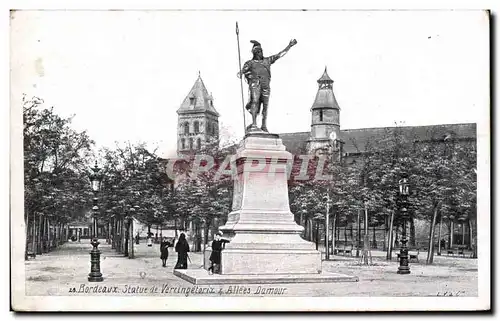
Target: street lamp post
<point>327,225</point>
<point>95,274</point>
<point>404,191</point>
<point>335,147</point>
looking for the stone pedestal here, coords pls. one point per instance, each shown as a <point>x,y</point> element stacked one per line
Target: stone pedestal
<point>265,246</point>
<point>264,236</point>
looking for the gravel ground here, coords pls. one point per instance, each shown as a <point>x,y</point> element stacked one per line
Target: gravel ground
<point>64,272</point>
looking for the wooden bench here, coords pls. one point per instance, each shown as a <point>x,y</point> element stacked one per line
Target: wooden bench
<point>412,254</point>
<point>30,252</point>
<point>343,249</point>
<point>459,251</point>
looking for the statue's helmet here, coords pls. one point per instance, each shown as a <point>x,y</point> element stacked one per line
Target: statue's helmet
<point>256,46</point>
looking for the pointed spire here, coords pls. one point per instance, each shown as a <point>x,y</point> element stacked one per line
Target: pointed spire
<point>325,78</point>
<point>198,99</point>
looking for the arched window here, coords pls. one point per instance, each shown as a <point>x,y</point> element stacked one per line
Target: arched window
<point>183,143</point>
<point>190,143</point>
<point>198,143</point>
<point>321,115</point>
<point>186,128</point>
<point>196,127</point>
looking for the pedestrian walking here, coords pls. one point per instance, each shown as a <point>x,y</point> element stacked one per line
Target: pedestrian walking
<point>182,249</point>
<point>215,258</point>
<point>137,238</point>
<point>164,245</point>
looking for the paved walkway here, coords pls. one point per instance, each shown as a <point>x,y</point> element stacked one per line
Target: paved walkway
<point>65,270</point>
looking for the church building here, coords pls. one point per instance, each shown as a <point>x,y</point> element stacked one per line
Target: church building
<point>198,121</point>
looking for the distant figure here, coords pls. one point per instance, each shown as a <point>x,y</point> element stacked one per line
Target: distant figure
<point>182,249</point>
<point>137,238</point>
<point>150,242</point>
<point>215,257</point>
<point>164,245</point>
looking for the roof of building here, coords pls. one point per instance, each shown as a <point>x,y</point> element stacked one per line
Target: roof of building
<point>356,140</point>
<point>325,97</point>
<point>203,100</point>
<point>325,77</point>
<point>295,143</point>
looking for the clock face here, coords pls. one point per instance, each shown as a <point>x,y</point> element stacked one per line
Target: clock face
<point>333,136</point>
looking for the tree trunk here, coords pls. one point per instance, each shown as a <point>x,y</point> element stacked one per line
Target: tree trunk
<point>205,235</point>
<point>34,242</point>
<point>317,235</point>
<point>358,237</point>
<point>366,241</point>
<point>113,233</point>
<point>310,230</point>
<point>131,240</point>
<point>439,234</point>
<point>412,232</point>
<point>397,238</point>
<point>430,254</point>
<point>390,237</point>
<point>384,248</point>
<point>463,233</point>
<point>26,234</point>
<point>473,241</point>
<point>39,235</point>
<point>374,238</point>
<point>125,238</point>
<point>334,222</point>
<point>49,236</point>
<point>452,231</point>
<point>345,233</point>
<point>332,232</point>
<point>122,236</point>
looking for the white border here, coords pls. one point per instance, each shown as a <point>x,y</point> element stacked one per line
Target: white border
<point>22,302</point>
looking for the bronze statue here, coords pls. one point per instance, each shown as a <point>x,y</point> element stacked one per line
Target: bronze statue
<point>258,76</point>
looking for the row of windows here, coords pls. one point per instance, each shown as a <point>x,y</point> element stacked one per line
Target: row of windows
<point>211,128</point>
<point>191,143</point>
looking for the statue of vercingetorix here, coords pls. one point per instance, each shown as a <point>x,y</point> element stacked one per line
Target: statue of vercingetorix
<point>258,76</point>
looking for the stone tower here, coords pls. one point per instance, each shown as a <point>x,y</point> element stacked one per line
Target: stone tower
<point>325,113</point>
<point>198,121</point>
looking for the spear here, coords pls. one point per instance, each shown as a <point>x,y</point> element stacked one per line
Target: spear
<point>241,77</point>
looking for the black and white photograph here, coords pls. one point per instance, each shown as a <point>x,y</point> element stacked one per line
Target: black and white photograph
<point>250,160</point>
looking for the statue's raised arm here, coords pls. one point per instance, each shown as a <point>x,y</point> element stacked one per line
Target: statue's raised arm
<point>283,52</point>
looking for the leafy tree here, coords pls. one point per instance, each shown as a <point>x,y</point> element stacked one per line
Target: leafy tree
<point>56,157</point>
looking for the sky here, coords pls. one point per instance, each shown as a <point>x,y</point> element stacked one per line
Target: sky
<point>123,74</point>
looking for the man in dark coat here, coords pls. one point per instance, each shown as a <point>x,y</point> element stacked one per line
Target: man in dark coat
<point>217,246</point>
<point>164,245</point>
